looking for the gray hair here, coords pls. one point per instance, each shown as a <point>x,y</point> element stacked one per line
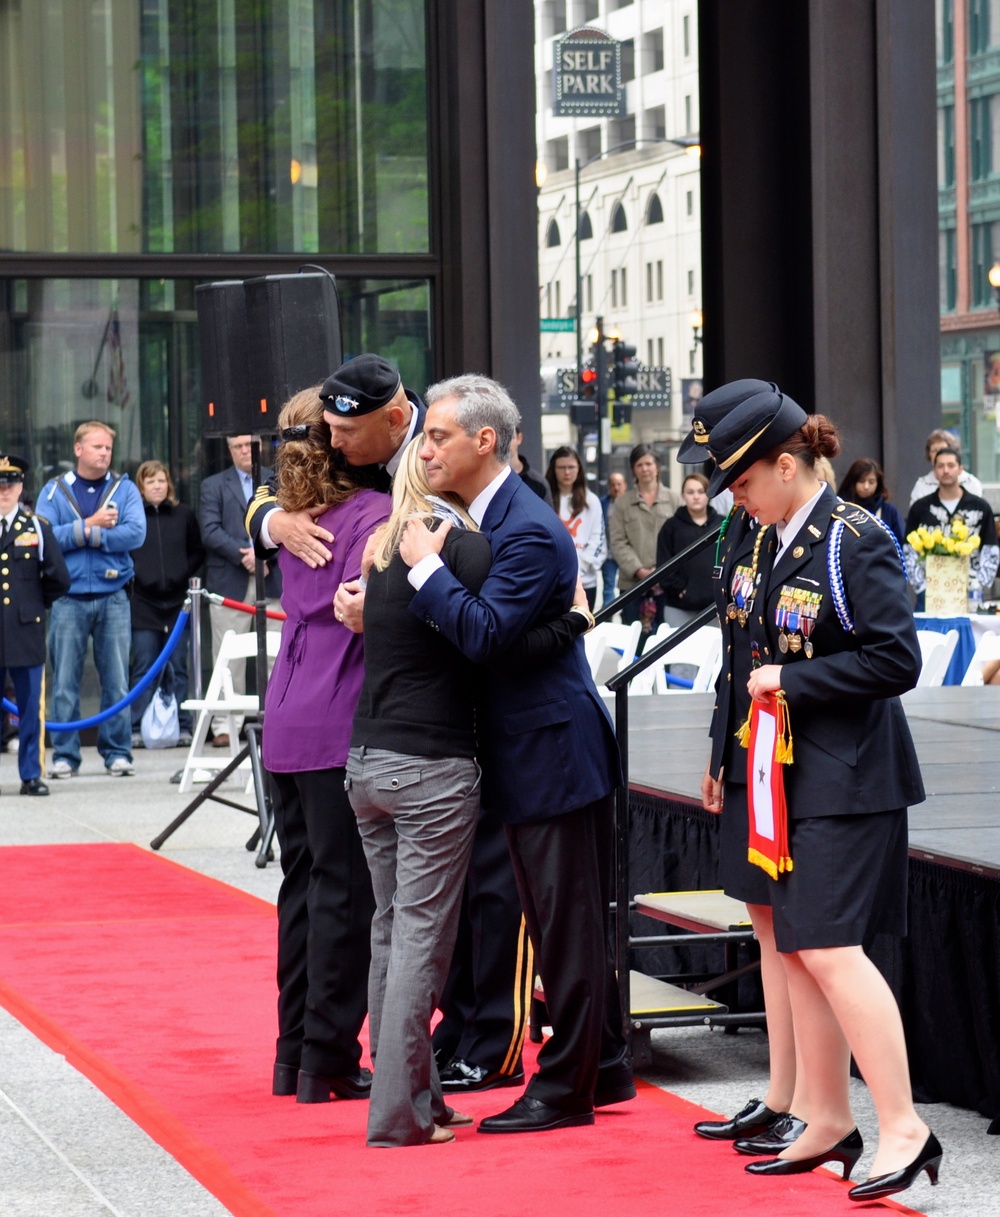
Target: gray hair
<point>480,402</point>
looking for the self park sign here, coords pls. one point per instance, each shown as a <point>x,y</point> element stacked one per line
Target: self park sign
<point>587,80</point>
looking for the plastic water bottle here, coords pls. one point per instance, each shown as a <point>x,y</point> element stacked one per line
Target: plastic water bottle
<point>975,595</point>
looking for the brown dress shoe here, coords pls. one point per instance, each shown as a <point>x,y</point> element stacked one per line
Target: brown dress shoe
<point>220,741</point>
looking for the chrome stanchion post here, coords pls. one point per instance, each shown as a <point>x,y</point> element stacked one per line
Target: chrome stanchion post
<point>195,592</point>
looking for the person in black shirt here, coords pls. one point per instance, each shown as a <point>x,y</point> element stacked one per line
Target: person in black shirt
<point>170,555</point>
<point>690,589</point>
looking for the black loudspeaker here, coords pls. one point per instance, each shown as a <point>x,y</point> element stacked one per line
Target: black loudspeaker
<point>226,392</point>
<point>294,339</point>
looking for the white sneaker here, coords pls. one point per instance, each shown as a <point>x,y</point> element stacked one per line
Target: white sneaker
<point>63,769</point>
<point>120,768</point>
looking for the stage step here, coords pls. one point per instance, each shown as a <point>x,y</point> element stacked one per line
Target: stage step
<point>705,912</point>
<point>658,998</point>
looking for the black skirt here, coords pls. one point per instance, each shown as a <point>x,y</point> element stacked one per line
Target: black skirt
<point>848,881</point>
<point>738,877</point>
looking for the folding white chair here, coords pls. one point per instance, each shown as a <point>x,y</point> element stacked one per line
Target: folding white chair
<point>619,642</point>
<point>702,651</point>
<point>987,647</point>
<point>220,700</point>
<point>936,651</point>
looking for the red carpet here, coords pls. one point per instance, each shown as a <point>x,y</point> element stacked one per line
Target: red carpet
<point>158,985</point>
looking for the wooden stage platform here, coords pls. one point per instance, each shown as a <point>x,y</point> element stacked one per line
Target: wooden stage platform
<point>946,973</point>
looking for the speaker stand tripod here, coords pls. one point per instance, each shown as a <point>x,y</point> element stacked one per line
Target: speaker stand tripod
<point>263,834</point>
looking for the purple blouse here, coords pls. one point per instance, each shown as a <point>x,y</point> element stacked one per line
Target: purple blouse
<point>316,680</point>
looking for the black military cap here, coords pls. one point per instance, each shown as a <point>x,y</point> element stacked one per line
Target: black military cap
<point>748,432</point>
<point>12,469</point>
<point>712,409</point>
<point>360,386</point>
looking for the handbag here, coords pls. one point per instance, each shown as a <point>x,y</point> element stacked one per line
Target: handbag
<point>160,724</point>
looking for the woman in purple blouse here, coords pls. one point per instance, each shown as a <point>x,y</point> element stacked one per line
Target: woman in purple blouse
<point>325,904</point>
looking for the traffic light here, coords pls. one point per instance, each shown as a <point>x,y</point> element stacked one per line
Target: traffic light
<point>588,383</point>
<point>621,415</point>
<point>623,369</point>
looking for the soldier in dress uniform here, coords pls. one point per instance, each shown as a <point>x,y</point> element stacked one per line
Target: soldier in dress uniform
<point>32,575</point>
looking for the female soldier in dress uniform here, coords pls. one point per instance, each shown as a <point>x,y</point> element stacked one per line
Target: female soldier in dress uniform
<point>32,575</point>
<point>763,1125</point>
<point>825,608</point>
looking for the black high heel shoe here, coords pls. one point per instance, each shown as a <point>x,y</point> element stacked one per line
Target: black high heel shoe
<point>847,1151</point>
<point>929,1159</point>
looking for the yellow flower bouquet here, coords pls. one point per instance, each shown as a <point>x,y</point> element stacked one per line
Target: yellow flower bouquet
<point>952,542</point>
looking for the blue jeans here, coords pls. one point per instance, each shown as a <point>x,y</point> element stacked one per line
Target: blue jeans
<point>146,647</point>
<point>72,621</point>
<point>609,573</point>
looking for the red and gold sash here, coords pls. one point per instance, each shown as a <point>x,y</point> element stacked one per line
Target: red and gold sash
<point>768,736</point>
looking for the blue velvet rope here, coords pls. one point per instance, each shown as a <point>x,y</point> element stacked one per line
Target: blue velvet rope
<point>141,687</point>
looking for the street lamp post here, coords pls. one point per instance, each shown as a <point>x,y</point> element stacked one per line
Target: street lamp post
<point>693,147</point>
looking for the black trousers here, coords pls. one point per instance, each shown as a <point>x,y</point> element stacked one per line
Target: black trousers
<point>487,997</point>
<point>325,909</point>
<point>563,867</point>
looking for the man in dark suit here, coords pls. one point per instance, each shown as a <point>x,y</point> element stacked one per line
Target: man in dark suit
<point>547,748</point>
<point>230,566</point>
<point>34,575</point>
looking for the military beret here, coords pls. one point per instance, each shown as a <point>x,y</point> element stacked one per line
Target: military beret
<point>748,432</point>
<point>360,386</point>
<point>12,469</point>
<point>712,409</point>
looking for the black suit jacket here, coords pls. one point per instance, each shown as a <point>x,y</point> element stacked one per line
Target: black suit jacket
<point>852,747</point>
<point>223,509</point>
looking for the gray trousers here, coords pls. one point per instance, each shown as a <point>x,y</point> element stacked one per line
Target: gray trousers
<point>417,817</point>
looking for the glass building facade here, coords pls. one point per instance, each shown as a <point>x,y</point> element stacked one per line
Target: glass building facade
<point>147,146</point>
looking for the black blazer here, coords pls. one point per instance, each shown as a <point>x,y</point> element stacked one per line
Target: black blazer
<point>852,747</point>
<point>223,509</point>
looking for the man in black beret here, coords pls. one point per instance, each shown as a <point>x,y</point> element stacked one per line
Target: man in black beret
<point>32,575</point>
<point>371,418</point>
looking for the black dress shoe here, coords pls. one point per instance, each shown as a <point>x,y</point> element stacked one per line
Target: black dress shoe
<point>769,1144</point>
<point>284,1080</point>
<point>34,786</point>
<point>847,1151</point>
<point>756,1118</point>
<point>464,1077</point>
<point>319,1088</point>
<point>929,1159</point>
<point>532,1115</point>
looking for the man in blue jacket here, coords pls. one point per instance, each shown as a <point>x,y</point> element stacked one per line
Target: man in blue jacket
<point>548,752</point>
<point>97,517</point>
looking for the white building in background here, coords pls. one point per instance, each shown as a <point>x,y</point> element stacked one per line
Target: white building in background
<point>640,206</point>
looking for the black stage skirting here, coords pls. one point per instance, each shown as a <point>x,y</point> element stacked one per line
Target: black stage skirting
<point>946,973</point>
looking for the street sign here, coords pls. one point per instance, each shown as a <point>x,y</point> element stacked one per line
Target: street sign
<point>587,75</point>
<point>558,325</point>
<point>653,387</point>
